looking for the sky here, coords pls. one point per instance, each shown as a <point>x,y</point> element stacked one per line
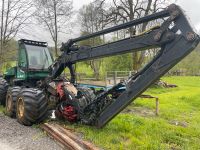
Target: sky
<point>79,3</point>
<point>35,32</point>
<point>191,7</point>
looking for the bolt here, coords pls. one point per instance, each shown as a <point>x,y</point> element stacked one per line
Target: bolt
<point>190,36</point>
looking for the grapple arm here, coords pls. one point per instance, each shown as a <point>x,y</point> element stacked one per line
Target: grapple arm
<point>175,37</point>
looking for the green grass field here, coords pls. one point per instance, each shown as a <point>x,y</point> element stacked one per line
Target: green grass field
<point>177,126</point>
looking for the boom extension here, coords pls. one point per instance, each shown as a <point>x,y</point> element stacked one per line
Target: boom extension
<point>175,37</point>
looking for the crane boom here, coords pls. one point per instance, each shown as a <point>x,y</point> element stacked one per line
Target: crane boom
<point>175,37</point>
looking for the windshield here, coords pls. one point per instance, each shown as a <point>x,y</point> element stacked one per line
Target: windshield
<point>38,57</point>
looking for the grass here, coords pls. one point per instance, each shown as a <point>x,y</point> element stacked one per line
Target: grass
<point>177,127</point>
<point>1,109</point>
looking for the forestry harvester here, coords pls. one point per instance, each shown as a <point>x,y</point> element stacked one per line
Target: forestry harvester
<point>35,85</point>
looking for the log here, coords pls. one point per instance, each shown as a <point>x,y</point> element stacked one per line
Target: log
<point>62,138</point>
<point>67,138</point>
<point>61,142</point>
<point>87,145</point>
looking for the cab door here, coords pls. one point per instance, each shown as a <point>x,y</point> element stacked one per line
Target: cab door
<point>22,64</point>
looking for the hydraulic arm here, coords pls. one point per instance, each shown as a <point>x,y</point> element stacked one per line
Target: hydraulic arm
<point>175,38</point>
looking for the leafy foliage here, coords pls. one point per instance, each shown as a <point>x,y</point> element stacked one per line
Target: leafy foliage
<point>120,62</point>
<point>191,64</point>
<point>9,55</point>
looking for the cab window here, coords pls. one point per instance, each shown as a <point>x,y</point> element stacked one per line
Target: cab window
<point>22,59</point>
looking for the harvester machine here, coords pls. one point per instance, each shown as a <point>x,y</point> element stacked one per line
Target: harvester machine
<point>36,85</point>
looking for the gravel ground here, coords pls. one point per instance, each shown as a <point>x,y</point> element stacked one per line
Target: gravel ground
<point>14,136</point>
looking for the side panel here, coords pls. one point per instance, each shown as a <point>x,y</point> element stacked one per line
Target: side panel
<point>21,74</point>
<point>37,74</point>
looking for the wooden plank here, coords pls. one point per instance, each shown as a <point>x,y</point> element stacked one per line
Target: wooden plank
<point>62,138</point>
<point>57,139</point>
<point>67,138</point>
<point>87,145</point>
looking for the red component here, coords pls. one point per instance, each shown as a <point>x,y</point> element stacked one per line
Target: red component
<point>69,113</point>
<point>60,91</point>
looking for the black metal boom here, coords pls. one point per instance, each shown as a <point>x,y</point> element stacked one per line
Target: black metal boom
<point>175,37</point>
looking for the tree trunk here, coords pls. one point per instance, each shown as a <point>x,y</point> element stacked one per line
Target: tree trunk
<point>2,28</point>
<point>138,57</point>
<point>56,30</point>
<point>95,65</point>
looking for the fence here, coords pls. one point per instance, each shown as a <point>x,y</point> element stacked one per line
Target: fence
<point>114,77</point>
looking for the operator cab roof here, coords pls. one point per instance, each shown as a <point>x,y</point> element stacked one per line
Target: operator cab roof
<point>31,42</point>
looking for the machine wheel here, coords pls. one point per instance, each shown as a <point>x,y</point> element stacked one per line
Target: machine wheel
<point>3,91</point>
<point>31,106</point>
<point>11,99</point>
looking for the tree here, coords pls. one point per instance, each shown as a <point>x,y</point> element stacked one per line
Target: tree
<point>14,16</point>
<point>95,65</point>
<point>90,17</point>
<point>118,63</point>
<point>55,15</point>
<point>122,11</point>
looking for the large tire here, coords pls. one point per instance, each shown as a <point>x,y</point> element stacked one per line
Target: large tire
<point>11,99</point>
<point>32,106</point>
<point>3,91</point>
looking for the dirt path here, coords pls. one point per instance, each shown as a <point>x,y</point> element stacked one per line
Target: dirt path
<point>14,136</point>
<point>5,146</point>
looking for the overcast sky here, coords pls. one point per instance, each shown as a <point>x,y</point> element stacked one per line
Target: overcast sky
<point>191,7</point>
